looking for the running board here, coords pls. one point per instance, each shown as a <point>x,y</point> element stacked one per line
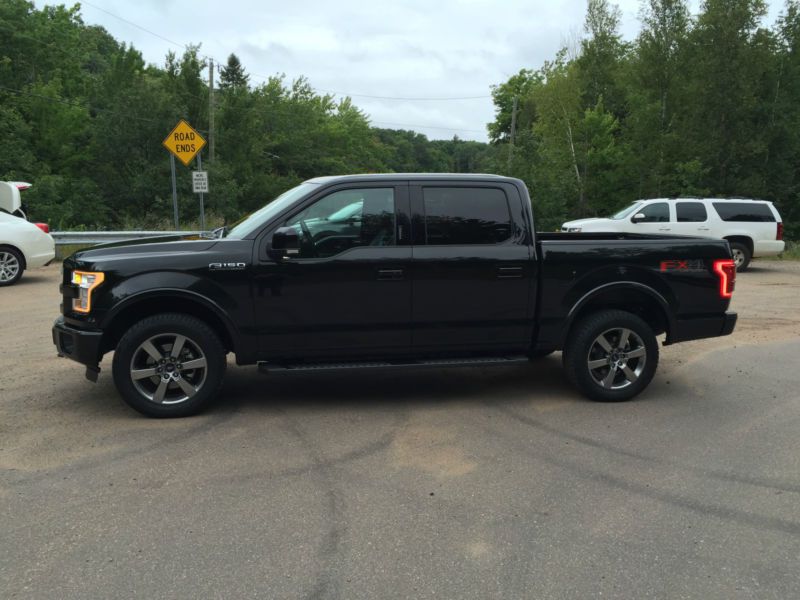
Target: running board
<point>266,367</point>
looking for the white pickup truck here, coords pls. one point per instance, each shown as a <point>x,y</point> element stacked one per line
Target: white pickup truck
<point>752,227</point>
<point>23,245</point>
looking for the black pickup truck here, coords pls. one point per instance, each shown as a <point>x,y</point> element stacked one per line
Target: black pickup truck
<point>388,271</point>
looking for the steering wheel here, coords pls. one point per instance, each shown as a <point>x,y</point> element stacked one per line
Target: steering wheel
<point>309,237</point>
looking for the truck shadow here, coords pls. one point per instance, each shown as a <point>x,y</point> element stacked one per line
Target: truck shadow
<point>246,388</point>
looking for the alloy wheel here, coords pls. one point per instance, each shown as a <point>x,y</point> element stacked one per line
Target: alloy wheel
<point>168,368</point>
<point>9,266</point>
<point>616,358</point>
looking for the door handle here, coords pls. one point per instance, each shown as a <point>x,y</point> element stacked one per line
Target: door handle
<point>703,229</point>
<point>665,228</point>
<point>509,272</point>
<point>390,274</point>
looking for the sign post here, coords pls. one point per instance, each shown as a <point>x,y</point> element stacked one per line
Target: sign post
<point>184,143</point>
<point>174,190</point>
<point>200,186</point>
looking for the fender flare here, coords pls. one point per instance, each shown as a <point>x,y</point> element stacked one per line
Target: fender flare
<point>213,307</point>
<point>635,285</point>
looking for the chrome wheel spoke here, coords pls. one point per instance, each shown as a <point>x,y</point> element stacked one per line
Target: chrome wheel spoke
<point>161,390</point>
<point>623,338</point>
<point>601,339</point>
<point>629,374</point>
<point>596,364</point>
<point>143,373</point>
<point>608,381</point>
<point>177,346</point>
<point>152,350</point>
<point>197,363</point>
<point>187,387</point>
<point>637,353</point>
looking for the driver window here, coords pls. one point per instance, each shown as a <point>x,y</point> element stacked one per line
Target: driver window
<point>655,213</point>
<point>346,219</point>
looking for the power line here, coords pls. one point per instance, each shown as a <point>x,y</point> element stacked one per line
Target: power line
<point>132,24</point>
<point>266,77</point>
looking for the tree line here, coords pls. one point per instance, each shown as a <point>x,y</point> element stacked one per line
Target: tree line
<point>82,117</point>
<point>704,105</point>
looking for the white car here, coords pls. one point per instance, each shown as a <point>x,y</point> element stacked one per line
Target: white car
<point>23,245</point>
<point>753,227</point>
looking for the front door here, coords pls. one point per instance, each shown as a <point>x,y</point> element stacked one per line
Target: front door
<point>347,293</point>
<point>656,219</point>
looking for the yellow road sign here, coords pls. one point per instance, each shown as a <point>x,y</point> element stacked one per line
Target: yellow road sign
<point>184,142</point>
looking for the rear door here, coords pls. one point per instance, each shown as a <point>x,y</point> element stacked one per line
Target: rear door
<point>691,218</point>
<point>472,268</point>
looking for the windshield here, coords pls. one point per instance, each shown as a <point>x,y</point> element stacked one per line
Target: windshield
<point>626,211</point>
<point>266,212</point>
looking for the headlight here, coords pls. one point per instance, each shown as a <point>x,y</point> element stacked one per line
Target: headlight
<point>86,283</point>
<point>574,229</point>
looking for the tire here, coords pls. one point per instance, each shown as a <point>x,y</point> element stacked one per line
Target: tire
<point>11,265</point>
<point>741,256</point>
<point>588,360</point>
<point>155,382</point>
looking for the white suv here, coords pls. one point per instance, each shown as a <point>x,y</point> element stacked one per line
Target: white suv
<point>753,227</point>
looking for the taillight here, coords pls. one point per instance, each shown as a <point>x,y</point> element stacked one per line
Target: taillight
<point>779,234</point>
<point>43,226</point>
<point>726,269</point>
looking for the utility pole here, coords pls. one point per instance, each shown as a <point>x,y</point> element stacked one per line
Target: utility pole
<point>211,110</point>
<point>513,134</point>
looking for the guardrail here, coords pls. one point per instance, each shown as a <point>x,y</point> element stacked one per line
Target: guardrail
<point>73,238</point>
<point>68,242</point>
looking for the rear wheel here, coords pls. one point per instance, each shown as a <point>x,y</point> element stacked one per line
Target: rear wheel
<point>169,365</point>
<point>611,356</point>
<point>11,268</point>
<point>741,256</point>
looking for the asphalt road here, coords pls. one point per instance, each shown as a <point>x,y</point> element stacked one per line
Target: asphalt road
<point>477,483</point>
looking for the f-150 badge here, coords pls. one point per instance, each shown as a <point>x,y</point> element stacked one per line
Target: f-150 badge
<point>226,266</point>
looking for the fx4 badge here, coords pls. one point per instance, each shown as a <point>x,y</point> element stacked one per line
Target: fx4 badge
<point>226,266</point>
<point>682,265</point>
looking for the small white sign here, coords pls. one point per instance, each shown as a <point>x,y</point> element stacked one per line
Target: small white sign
<point>200,182</point>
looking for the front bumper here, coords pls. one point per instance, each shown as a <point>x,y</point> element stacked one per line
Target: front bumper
<point>702,327</point>
<point>80,345</point>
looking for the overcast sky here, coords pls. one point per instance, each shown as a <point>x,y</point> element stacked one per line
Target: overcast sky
<point>403,49</point>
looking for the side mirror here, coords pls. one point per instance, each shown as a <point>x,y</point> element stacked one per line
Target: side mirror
<point>638,218</point>
<point>285,242</point>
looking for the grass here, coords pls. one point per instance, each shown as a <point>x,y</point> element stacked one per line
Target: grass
<point>792,252</point>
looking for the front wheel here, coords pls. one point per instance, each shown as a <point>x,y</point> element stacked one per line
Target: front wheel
<point>169,365</point>
<point>611,356</point>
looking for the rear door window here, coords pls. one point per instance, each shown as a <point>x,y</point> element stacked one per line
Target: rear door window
<point>691,212</point>
<point>752,212</point>
<point>466,216</point>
